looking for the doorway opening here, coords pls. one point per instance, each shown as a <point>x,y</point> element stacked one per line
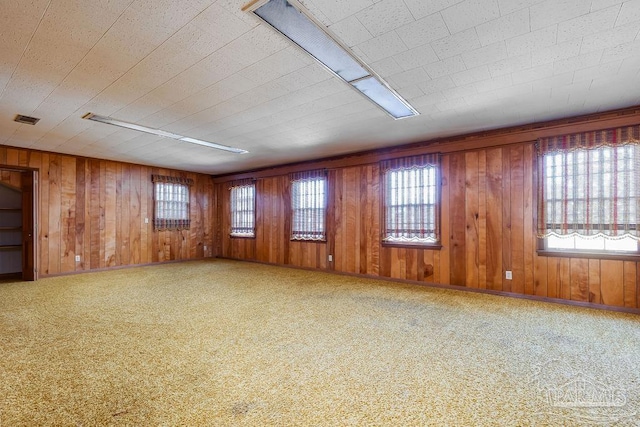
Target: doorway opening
<point>18,242</point>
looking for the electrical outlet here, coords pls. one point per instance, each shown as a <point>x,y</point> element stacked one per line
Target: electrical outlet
<point>205,247</point>
<point>330,258</point>
<point>146,220</point>
<point>77,258</point>
<point>508,275</point>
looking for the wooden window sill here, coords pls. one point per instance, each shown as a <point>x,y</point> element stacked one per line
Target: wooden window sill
<point>410,245</point>
<point>590,255</point>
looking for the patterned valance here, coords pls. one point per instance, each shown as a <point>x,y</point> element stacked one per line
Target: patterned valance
<point>411,162</point>
<point>589,140</point>
<point>307,175</point>
<point>241,182</point>
<point>589,184</point>
<point>171,179</point>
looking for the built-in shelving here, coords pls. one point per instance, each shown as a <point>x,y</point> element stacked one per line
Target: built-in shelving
<point>10,231</point>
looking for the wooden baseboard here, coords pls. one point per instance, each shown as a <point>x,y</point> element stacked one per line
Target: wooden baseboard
<point>11,276</point>
<point>583,304</point>
<point>121,267</point>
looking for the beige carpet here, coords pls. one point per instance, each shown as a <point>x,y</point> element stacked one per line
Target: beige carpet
<point>223,343</point>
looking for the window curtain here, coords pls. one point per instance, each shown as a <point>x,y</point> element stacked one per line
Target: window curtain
<point>588,184</point>
<point>171,196</point>
<point>242,198</point>
<point>411,197</point>
<point>308,203</point>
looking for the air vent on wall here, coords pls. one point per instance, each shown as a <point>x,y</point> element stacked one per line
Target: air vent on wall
<point>27,120</point>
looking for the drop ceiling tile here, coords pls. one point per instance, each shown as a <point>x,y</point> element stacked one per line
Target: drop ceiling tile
<point>198,40</point>
<point>556,52</point>
<point>485,55</point>
<point>555,11</point>
<point>501,88</point>
<point>602,4</point>
<point>224,25</point>
<point>275,66</point>
<point>337,10</point>
<point>622,51</point>
<point>505,27</point>
<point>470,76</point>
<point>587,24</point>
<point>384,16</point>
<point>381,47</point>
<point>416,57</point>
<point>307,76</point>
<point>386,67</point>
<point>408,78</point>
<point>510,65</point>
<point>509,6</point>
<point>495,84</point>
<point>456,44</point>
<point>600,70</point>
<point>630,12</point>
<point>255,45</point>
<point>532,41</point>
<point>577,62</point>
<point>610,38</point>
<point>446,67</point>
<point>421,8</point>
<point>459,92</point>
<point>437,85</point>
<point>410,92</point>
<point>452,104</point>
<point>350,31</point>
<point>532,74</point>
<point>470,13</point>
<point>423,31</point>
<point>553,81</point>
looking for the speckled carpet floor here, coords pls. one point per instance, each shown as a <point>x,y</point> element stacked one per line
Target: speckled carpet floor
<point>224,343</point>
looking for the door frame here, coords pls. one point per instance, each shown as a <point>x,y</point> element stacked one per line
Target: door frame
<point>30,205</point>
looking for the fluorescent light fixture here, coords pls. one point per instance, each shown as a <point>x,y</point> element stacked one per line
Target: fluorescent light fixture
<point>158,132</point>
<point>290,19</point>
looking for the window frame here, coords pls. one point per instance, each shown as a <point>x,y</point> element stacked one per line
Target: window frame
<point>437,244</point>
<point>542,248</point>
<point>166,223</point>
<point>312,176</point>
<point>254,210</point>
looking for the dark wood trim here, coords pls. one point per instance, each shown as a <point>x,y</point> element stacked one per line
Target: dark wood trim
<point>454,143</point>
<point>11,276</point>
<point>434,247</point>
<point>560,301</point>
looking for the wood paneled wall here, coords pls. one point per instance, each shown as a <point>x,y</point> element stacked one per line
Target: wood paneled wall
<point>11,178</point>
<point>97,209</point>
<point>487,229</point>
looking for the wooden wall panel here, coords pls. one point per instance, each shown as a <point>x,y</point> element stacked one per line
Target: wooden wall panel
<point>487,228</point>
<point>96,209</point>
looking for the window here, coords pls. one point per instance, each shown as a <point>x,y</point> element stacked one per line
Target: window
<point>243,208</point>
<point>589,191</point>
<point>308,205</point>
<point>171,197</point>
<point>411,211</point>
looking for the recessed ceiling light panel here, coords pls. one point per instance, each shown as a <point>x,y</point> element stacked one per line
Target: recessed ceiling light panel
<point>159,132</point>
<point>290,19</point>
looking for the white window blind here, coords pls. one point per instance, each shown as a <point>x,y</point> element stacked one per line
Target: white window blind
<point>243,212</point>
<point>308,205</point>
